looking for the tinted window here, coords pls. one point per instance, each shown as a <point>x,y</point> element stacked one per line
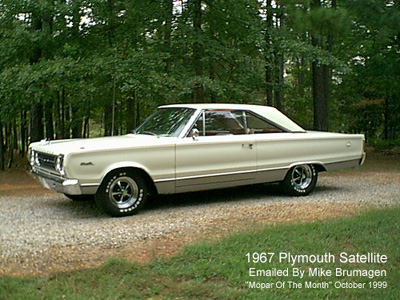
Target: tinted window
<point>223,122</point>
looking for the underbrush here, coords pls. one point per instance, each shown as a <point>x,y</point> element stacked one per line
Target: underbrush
<point>381,145</point>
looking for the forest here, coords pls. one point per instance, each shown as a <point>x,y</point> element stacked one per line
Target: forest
<point>86,68</point>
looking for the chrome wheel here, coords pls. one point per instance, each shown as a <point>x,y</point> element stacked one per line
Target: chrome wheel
<point>123,192</point>
<point>300,180</point>
<point>302,177</point>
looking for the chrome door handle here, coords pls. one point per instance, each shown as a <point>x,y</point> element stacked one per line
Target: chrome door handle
<point>250,145</point>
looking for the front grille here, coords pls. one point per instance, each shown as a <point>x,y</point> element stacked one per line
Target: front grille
<point>46,160</point>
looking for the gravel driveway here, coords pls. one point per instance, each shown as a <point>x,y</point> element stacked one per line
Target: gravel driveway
<point>42,233</point>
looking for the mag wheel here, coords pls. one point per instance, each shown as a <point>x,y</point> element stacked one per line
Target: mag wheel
<point>122,193</point>
<point>300,180</point>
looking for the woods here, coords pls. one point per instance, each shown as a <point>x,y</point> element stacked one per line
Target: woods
<point>84,68</point>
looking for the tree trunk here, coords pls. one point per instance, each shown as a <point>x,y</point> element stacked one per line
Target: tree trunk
<point>279,65</point>
<point>319,90</point>
<point>130,119</point>
<point>76,124</point>
<point>386,119</point>
<point>169,15</point>
<point>300,78</point>
<point>86,122</point>
<point>107,119</point>
<point>11,147</point>
<point>279,80</point>
<point>36,115</point>
<point>320,84</point>
<point>268,56</point>
<point>1,148</point>
<point>23,133</point>
<point>213,97</point>
<point>198,49</point>
<point>15,136</point>
<point>37,132</point>
<point>48,116</point>
<point>57,115</point>
<point>62,110</point>
<point>6,137</point>
<point>137,113</point>
<point>67,120</point>
<point>86,128</point>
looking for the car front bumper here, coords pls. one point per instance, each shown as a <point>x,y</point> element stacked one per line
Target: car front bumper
<point>58,183</point>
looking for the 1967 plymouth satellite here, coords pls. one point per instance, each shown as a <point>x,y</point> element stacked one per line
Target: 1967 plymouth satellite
<point>193,147</point>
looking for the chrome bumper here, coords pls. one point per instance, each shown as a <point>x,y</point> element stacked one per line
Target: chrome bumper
<point>362,160</point>
<point>58,183</point>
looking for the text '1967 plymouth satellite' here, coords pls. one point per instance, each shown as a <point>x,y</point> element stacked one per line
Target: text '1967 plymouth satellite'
<point>193,147</point>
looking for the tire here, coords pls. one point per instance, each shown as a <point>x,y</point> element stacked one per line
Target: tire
<point>122,193</point>
<point>79,197</point>
<point>300,180</point>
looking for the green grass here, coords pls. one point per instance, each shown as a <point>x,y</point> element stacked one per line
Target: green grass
<point>219,270</point>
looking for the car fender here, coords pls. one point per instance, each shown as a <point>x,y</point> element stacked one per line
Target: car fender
<point>122,165</point>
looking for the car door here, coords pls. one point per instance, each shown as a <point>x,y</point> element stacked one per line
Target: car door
<point>223,154</point>
<point>273,149</point>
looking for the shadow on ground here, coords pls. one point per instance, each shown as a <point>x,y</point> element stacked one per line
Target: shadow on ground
<point>266,192</point>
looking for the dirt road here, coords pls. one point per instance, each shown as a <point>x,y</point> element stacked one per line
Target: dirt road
<point>42,231</point>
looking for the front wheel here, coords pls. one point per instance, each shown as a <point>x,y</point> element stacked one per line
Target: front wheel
<point>300,180</point>
<point>122,193</point>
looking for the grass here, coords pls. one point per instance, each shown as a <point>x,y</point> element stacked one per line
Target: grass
<point>220,270</point>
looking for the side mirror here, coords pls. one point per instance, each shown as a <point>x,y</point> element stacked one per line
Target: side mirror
<point>194,133</point>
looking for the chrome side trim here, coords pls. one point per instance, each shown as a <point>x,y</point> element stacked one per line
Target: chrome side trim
<point>226,173</point>
<point>273,169</point>
<point>215,175</point>
<point>168,185</point>
<point>164,180</point>
<point>89,184</point>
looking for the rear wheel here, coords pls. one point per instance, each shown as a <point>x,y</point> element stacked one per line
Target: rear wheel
<point>300,180</point>
<point>122,193</point>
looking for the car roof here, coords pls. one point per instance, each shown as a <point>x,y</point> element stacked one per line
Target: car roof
<point>216,106</point>
<point>267,112</point>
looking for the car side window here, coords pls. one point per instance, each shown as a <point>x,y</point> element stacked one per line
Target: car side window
<point>218,122</point>
<point>228,122</point>
<point>256,125</point>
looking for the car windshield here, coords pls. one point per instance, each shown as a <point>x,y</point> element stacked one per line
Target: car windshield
<point>165,122</point>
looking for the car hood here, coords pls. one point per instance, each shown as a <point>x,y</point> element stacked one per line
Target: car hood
<point>94,144</point>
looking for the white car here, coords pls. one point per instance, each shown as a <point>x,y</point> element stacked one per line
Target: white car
<point>193,147</point>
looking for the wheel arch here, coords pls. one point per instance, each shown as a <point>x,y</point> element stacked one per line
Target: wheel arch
<point>319,166</point>
<point>136,168</point>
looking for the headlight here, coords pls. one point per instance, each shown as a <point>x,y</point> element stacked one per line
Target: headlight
<point>31,156</point>
<point>34,158</point>
<point>59,164</point>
